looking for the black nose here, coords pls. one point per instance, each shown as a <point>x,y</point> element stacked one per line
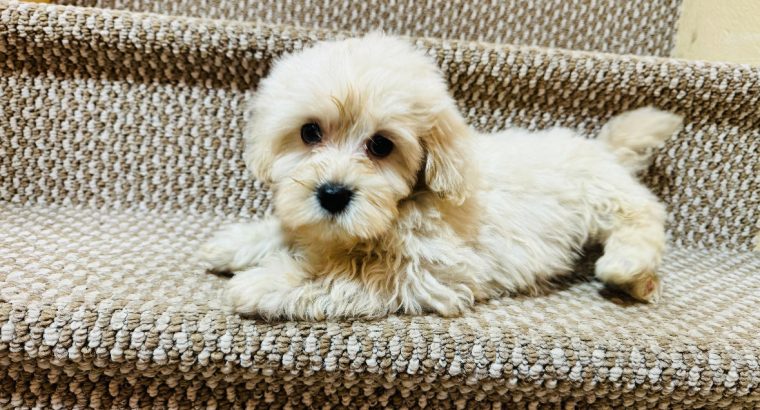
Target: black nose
<point>334,197</point>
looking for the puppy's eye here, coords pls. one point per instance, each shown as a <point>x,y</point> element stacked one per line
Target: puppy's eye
<point>379,146</point>
<point>311,134</point>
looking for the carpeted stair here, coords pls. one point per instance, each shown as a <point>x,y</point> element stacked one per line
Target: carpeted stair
<point>120,152</point>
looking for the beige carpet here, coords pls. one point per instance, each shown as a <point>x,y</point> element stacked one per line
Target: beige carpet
<point>120,151</point>
<point>613,26</point>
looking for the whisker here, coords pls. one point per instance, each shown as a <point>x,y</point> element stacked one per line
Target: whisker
<point>299,182</point>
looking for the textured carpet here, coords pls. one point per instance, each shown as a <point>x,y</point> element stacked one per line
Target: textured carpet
<point>625,27</point>
<point>120,151</point>
<point>117,295</point>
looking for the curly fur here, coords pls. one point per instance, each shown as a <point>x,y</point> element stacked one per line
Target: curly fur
<point>450,218</point>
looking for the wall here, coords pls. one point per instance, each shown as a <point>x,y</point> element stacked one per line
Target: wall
<point>719,30</point>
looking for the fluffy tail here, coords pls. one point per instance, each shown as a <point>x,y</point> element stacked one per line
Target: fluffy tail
<point>634,135</point>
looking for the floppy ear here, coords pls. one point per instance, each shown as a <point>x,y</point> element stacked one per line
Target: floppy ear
<point>447,162</point>
<point>259,154</point>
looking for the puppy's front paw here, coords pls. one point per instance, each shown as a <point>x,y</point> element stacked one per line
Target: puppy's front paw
<point>240,246</point>
<point>216,256</point>
<point>260,292</point>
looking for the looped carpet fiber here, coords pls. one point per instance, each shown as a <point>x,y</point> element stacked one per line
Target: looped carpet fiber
<point>624,27</point>
<point>120,153</point>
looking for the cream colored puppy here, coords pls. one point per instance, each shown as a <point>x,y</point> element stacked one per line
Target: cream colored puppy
<point>386,201</point>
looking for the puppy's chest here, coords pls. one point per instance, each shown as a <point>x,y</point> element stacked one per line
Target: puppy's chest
<point>424,232</point>
<point>363,261</point>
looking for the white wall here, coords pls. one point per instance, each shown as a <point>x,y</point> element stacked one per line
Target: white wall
<point>719,30</point>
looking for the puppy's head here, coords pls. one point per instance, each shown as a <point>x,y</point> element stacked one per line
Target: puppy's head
<point>343,130</point>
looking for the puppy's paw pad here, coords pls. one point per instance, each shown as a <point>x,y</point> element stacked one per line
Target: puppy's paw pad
<point>632,275</point>
<point>645,287</point>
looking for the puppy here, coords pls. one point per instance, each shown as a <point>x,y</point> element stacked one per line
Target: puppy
<point>386,201</point>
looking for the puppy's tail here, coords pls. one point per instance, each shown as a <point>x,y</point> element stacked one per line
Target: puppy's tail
<point>634,135</point>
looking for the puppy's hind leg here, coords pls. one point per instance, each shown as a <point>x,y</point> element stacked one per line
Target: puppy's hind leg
<point>634,240</point>
<point>633,249</point>
<point>240,246</point>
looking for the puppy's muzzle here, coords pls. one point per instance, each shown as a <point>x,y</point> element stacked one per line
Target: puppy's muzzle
<point>334,198</point>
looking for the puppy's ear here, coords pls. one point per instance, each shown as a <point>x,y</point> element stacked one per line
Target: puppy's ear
<point>259,161</point>
<point>447,162</point>
<point>259,152</point>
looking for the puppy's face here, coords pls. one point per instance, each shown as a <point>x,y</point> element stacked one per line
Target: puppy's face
<point>342,131</point>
